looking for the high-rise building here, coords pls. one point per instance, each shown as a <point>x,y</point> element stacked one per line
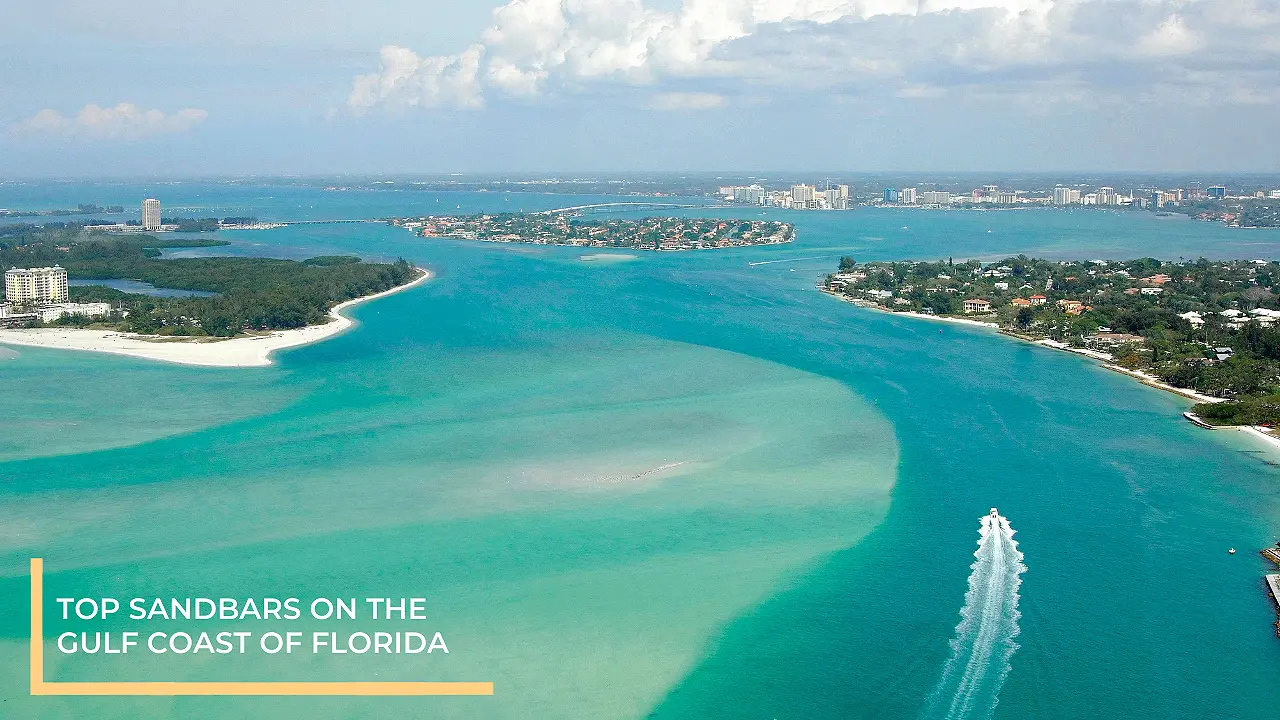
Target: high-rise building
<point>749,194</point>
<point>1108,196</point>
<point>988,194</point>
<point>36,285</point>
<point>150,214</point>
<point>935,197</point>
<point>803,195</point>
<point>1064,196</point>
<point>1217,191</point>
<point>890,195</point>
<point>908,196</point>
<point>831,199</point>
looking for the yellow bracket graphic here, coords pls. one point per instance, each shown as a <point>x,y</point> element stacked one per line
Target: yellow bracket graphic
<point>40,687</point>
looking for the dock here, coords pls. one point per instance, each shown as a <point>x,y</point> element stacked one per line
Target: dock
<point>1273,580</point>
<point>1196,419</point>
<point>1272,554</point>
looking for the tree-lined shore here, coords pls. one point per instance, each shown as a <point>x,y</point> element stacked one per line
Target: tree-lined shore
<point>251,294</point>
<point>1212,327</point>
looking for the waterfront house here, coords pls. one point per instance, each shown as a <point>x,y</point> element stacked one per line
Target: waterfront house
<point>977,305</point>
<point>1020,302</point>
<point>1071,307</point>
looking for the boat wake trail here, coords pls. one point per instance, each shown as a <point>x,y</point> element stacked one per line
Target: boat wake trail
<point>984,642</point>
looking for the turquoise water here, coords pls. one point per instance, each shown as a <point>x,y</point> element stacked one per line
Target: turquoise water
<point>680,486</point>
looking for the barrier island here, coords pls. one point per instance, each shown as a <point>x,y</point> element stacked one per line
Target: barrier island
<point>248,307</point>
<point>654,233</point>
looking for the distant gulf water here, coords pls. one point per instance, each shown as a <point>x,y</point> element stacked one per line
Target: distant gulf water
<point>680,487</point>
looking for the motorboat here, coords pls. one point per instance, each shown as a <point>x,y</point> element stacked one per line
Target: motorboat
<point>995,512</point>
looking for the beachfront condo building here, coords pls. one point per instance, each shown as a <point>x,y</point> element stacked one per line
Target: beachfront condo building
<point>803,195</point>
<point>150,214</point>
<point>35,285</point>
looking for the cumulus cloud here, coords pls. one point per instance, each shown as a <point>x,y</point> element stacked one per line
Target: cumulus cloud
<point>904,48</point>
<point>122,122</point>
<point>407,80</point>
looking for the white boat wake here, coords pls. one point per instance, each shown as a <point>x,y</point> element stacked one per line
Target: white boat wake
<point>971,680</point>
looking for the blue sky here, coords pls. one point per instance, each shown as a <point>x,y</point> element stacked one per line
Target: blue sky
<point>108,87</point>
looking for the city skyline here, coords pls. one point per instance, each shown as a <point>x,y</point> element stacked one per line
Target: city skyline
<point>641,85</point>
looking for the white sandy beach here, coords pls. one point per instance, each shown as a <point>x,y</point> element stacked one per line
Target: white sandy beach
<point>908,313</point>
<point>954,320</point>
<point>1271,440</point>
<point>1107,360</point>
<point>235,352</point>
<point>1143,377</point>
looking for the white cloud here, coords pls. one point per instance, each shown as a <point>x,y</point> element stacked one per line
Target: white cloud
<point>686,101</point>
<point>407,80</point>
<point>122,122</point>
<point>889,47</point>
<point>1171,38</point>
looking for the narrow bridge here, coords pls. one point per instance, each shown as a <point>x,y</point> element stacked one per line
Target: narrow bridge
<point>614,207</point>
<point>327,222</point>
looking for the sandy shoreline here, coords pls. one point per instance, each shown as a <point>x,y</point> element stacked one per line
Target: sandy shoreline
<point>1147,379</point>
<point>236,352</point>
<point>1142,377</point>
<point>908,313</point>
<point>1106,360</point>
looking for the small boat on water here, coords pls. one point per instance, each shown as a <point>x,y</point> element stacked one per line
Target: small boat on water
<point>1232,551</point>
<point>995,512</point>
